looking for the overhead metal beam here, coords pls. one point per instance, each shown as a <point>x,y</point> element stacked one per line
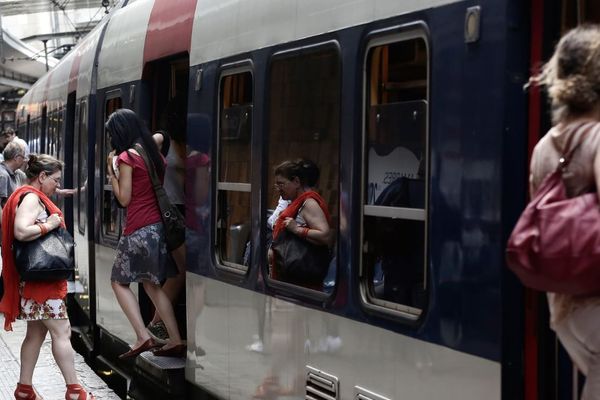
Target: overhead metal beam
<point>14,83</point>
<point>56,35</point>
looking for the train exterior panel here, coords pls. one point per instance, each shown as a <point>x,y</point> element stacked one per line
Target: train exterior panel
<point>222,30</point>
<point>121,58</point>
<point>426,94</point>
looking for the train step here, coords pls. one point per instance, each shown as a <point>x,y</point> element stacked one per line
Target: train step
<point>158,378</point>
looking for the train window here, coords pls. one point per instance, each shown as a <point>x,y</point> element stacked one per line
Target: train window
<point>52,134</point>
<point>393,269</point>
<point>43,130</point>
<point>304,123</point>
<point>54,127</point>
<point>111,214</point>
<point>82,163</point>
<point>233,176</point>
<point>59,125</point>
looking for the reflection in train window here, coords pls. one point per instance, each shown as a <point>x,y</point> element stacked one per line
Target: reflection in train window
<point>233,176</point>
<point>82,162</point>
<point>54,126</point>
<point>395,182</point>
<point>112,216</point>
<point>304,122</point>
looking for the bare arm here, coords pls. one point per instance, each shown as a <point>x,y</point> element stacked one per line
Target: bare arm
<point>319,231</point>
<point>26,228</point>
<point>159,139</point>
<point>122,185</point>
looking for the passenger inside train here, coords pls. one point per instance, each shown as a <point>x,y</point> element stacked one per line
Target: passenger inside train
<point>299,252</point>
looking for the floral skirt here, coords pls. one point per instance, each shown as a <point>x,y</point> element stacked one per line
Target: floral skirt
<point>143,256</point>
<point>31,310</point>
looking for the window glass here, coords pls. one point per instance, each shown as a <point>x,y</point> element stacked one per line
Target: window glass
<point>82,162</point>
<point>112,216</point>
<point>233,176</point>
<point>396,160</point>
<point>304,114</point>
<point>59,123</point>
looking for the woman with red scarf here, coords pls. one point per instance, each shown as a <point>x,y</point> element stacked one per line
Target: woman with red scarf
<point>307,216</point>
<point>28,215</point>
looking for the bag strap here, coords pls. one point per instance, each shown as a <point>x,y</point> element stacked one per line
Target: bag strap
<point>149,166</point>
<point>159,191</point>
<point>566,156</point>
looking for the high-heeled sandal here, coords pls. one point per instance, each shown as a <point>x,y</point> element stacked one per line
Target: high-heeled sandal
<point>77,392</point>
<point>26,392</point>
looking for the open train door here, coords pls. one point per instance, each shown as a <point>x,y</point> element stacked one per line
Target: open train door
<point>165,84</point>
<point>548,371</point>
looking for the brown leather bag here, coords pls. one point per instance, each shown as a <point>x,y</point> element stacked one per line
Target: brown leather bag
<point>555,245</point>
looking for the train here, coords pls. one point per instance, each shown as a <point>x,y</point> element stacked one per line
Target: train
<point>414,112</point>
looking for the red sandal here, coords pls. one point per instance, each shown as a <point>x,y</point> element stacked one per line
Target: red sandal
<point>77,392</point>
<point>26,392</point>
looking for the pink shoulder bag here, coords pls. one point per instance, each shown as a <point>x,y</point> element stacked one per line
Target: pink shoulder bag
<point>555,245</point>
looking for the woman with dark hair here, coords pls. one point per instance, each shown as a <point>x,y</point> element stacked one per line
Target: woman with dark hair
<point>28,215</point>
<point>141,253</point>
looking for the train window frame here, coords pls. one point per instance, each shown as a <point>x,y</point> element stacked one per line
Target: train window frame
<point>108,237</point>
<point>227,70</point>
<point>81,123</point>
<point>287,288</point>
<point>382,307</point>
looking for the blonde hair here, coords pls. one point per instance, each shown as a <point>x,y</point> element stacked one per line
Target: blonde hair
<point>572,75</point>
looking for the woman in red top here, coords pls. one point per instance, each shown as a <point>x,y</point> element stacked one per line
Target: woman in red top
<point>141,253</point>
<point>28,215</point>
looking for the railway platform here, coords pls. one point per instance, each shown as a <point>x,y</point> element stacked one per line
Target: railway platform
<point>47,378</point>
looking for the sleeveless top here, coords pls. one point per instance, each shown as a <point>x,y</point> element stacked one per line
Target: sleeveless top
<point>143,208</point>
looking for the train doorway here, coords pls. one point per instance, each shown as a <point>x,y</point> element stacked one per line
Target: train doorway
<point>68,157</point>
<point>166,83</point>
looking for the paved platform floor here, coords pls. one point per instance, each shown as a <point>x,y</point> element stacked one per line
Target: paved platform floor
<point>47,378</point>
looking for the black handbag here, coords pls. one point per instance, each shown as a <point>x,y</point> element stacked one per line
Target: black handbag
<point>171,216</point>
<point>298,261</point>
<point>48,258</point>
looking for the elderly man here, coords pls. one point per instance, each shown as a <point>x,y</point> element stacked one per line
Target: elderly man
<point>14,158</point>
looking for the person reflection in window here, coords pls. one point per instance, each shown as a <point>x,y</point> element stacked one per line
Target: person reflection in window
<point>307,216</point>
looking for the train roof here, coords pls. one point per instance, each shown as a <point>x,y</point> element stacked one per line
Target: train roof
<point>218,30</point>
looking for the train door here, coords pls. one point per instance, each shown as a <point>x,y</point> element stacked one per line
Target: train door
<point>167,82</point>
<point>549,373</point>
<point>68,154</point>
<point>43,129</point>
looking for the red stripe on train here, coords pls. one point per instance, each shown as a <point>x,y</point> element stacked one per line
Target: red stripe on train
<point>169,29</point>
<point>531,350</point>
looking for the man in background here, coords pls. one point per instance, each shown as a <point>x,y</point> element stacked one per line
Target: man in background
<point>14,158</point>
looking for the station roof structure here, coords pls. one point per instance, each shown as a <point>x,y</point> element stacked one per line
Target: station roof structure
<point>36,33</point>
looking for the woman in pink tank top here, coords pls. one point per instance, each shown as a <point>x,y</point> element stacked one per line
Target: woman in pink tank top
<point>142,254</point>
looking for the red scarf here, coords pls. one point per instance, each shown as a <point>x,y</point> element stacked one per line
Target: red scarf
<point>10,303</point>
<point>291,211</point>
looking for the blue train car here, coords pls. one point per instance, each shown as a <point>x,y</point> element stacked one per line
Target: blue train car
<point>414,112</point>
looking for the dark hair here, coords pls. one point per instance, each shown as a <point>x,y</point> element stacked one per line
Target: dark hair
<point>310,170</point>
<point>39,163</point>
<point>572,75</point>
<point>306,171</point>
<point>126,129</point>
